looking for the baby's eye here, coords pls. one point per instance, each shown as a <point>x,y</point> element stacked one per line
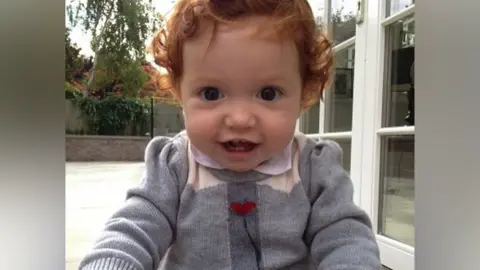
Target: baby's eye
<point>210,93</point>
<point>269,93</point>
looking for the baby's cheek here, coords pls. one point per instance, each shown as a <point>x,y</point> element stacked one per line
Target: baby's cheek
<point>280,128</point>
<point>200,123</point>
<point>281,119</point>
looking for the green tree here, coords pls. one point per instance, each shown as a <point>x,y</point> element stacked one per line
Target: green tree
<point>119,31</point>
<point>126,77</point>
<point>73,60</point>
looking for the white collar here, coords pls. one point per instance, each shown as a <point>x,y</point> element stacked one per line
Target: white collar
<point>277,165</point>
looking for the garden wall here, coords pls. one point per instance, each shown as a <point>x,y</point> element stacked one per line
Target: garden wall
<point>105,148</point>
<point>73,118</point>
<point>167,119</point>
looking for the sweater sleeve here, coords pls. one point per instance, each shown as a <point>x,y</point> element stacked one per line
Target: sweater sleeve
<point>339,233</point>
<point>137,235</point>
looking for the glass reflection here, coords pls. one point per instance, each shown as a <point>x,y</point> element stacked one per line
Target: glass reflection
<point>394,6</point>
<point>397,188</point>
<point>342,18</point>
<point>339,99</point>
<point>399,89</point>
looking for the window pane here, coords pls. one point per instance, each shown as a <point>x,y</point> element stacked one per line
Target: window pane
<point>318,9</point>
<point>394,6</point>
<point>339,99</point>
<point>342,19</point>
<point>399,91</point>
<point>397,186</point>
<point>309,120</point>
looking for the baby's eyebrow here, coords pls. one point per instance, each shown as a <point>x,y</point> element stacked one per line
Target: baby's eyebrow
<point>260,79</point>
<point>201,80</point>
<point>273,78</point>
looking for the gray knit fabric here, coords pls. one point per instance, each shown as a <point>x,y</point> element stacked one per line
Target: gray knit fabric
<point>168,224</point>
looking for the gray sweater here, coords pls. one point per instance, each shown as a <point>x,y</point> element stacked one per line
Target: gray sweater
<point>187,216</point>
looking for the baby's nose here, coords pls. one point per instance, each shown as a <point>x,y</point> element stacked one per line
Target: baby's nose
<point>240,118</point>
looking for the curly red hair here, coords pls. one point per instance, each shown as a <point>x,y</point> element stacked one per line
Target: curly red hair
<point>293,19</point>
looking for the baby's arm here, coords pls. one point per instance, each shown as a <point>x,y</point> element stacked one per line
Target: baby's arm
<point>138,234</point>
<point>339,233</point>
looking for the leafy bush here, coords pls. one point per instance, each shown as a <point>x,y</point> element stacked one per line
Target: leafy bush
<point>114,115</point>
<point>127,79</point>
<point>71,92</point>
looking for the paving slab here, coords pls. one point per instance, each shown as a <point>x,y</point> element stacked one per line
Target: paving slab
<point>93,191</point>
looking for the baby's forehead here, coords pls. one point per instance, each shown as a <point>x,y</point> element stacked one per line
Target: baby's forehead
<point>254,27</point>
<point>237,47</point>
<point>235,58</point>
<point>238,35</point>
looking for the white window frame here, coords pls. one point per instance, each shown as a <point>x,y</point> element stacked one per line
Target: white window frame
<point>394,254</point>
<point>367,130</point>
<point>355,135</point>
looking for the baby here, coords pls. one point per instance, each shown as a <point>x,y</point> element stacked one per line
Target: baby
<point>240,189</point>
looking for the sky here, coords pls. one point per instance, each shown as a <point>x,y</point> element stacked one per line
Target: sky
<point>83,40</point>
<point>164,6</point>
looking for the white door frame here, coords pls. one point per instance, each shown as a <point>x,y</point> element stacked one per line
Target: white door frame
<point>394,254</point>
<point>367,128</point>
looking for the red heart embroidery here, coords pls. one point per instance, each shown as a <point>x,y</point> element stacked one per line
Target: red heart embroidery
<point>242,209</point>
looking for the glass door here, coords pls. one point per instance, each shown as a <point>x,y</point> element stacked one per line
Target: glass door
<point>369,111</point>
<point>334,117</point>
<point>388,182</point>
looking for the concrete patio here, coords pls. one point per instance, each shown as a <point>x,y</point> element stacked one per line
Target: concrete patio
<point>93,191</point>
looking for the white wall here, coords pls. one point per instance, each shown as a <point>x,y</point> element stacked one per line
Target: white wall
<point>447,191</point>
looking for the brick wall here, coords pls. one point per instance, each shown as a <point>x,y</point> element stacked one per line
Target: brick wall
<point>105,148</point>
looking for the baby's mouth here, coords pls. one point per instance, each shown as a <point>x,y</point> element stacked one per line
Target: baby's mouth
<point>239,146</point>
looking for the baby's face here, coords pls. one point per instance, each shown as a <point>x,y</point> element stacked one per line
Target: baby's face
<point>240,94</point>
